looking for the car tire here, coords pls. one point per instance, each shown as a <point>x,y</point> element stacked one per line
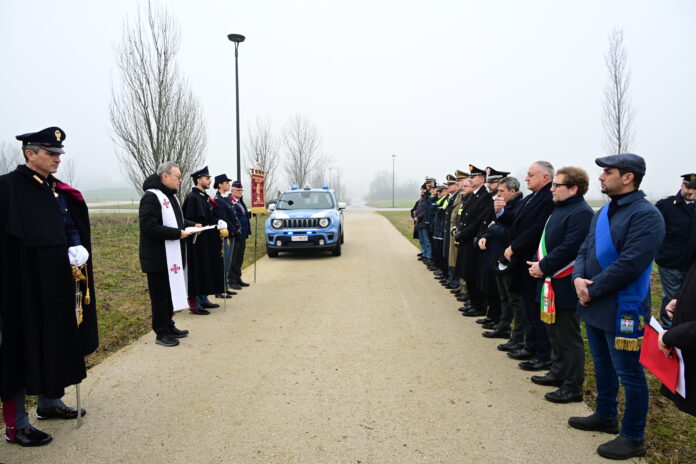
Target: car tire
<point>342,238</point>
<point>272,253</point>
<point>337,249</point>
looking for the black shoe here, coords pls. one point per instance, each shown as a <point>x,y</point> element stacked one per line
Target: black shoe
<point>563,396</point>
<point>535,364</point>
<point>490,325</point>
<point>223,296</point>
<point>484,320</point>
<point>521,354</point>
<point>456,290</point>
<point>236,286</point>
<point>474,312</point>
<point>199,311</point>
<point>27,436</point>
<point>230,292</point>
<point>594,423</point>
<point>497,334</point>
<point>621,448</point>
<point>420,257</point>
<point>546,380</point>
<point>510,346</point>
<point>210,305</point>
<point>451,286</point>
<point>243,284</point>
<point>419,254</point>
<point>176,333</point>
<point>60,411</point>
<point>166,340</point>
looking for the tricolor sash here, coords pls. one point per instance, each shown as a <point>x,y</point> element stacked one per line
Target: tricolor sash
<point>175,269</point>
<point>630,322</point>
<point>548,296</point>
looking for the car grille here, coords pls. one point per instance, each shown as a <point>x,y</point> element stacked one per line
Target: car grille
<point>307,223</point>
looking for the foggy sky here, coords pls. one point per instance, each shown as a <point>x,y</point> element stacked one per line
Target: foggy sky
<point>440,85</point>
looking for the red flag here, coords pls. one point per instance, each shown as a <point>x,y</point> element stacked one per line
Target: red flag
<point>664,368</point>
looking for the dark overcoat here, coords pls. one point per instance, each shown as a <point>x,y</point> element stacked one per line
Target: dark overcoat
<point>205,263</point>
<point>42,348</point>
<point>477,212</point>
<point>683,336</point>
<point>680,232</point>
<point>637,230</point>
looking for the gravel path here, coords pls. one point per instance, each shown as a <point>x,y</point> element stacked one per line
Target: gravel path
<point>361,358</point>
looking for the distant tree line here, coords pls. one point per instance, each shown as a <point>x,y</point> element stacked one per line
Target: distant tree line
<point>381,188</point>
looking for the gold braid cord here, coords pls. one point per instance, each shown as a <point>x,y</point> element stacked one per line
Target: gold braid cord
<point>81,275</point>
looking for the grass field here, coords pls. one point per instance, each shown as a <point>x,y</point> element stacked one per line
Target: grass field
<point>670,434</point>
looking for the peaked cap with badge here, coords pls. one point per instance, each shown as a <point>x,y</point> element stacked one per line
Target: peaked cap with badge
<point>50,139</point>
<point>689,180</point>
<point>451,179</point>
<point>203,172</point>
<point>459,175</point>
<point>493,176</point>
<point>474,171</point>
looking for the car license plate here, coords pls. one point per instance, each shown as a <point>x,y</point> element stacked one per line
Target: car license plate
<point>299,238</point>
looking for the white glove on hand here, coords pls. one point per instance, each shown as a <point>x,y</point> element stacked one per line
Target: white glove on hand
<point>78,255</point>
<point>222,225</point>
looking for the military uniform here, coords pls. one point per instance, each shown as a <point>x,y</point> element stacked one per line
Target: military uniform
<point>679,243</point>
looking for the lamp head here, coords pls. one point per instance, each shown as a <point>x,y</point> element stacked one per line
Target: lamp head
<point>236,37</point>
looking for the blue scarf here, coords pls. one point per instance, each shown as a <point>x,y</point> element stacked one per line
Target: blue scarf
<point>630,322</point>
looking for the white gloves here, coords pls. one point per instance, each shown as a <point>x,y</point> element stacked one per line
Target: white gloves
<point>222,225</point>
<point>78,255</point>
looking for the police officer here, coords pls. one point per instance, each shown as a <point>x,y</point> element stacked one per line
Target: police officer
<point>680,241</point>
<point>493,179</point>
<point>44,230</point>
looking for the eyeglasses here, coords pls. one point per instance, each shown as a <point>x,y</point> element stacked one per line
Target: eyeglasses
<point>555,185</point>
<point>177,176</point>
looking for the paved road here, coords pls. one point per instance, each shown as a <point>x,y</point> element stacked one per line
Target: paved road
<point>361,358</point>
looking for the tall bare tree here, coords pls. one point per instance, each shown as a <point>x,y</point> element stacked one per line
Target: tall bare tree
<point>154,114</point>
<point>67,171</point>
<point>263,152</point>
<point>618,114</point>
<point>10,156</point>
<point>302,145</point>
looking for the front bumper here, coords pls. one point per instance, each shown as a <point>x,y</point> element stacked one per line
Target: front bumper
<point>288,240</point>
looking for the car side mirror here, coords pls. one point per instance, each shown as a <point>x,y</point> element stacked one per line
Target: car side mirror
<point>271,207</point>
<point>341,205</point>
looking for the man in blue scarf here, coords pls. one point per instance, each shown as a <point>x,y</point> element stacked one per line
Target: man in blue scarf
<point>612,281</point>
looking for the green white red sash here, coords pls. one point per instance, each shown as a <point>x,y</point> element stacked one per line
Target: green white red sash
<point>548,297</point>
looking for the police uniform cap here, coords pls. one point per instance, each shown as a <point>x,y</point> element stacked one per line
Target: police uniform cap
<point>451,179</point>
<point>476,171</point>
<point>429,179</point>
<point>50,139</point>
<point>689,180</point>
<point>441,187</point>
<point>459,175</point>
<point>200,173</point>
<point>237,184</point>
<point>220,179</point>
<point>623,161</point>
<point>493,176</point>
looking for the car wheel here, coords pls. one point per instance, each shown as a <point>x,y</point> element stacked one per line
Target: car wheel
<point>337,249</point>
<point>272,253</point>
<point>342,238</point>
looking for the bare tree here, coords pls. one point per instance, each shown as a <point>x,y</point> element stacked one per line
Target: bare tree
<point>154,114</point>
<point>10,157</point>
<point>263,152</point>
<point>67,171</point>
<point>322,171</point>
<point>302,146</point>
<point>618,114</point>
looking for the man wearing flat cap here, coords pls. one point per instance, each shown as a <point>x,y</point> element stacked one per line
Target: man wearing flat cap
<point>679,243</point>
<point>44,243</point>
<point>205,264</point>
<point>612,281</point>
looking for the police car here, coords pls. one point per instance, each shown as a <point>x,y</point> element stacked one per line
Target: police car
<point>307,219</point>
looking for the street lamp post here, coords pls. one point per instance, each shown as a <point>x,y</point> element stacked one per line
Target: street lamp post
<point>393,160</point>
<point>237,39</point>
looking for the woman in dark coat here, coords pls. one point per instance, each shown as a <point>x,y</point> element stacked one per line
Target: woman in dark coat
<point>682,335</point>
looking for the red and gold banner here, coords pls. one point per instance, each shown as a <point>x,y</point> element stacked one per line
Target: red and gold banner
<point>258,202</point>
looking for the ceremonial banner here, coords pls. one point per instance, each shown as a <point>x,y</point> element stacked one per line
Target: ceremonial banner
<point>258,201</point>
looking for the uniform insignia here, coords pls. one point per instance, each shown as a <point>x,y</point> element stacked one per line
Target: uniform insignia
<point>693,177</point>
<point>58,135</point>
<point>38,179</point>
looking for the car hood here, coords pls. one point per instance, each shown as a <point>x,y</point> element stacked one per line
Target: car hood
<point>302,213</point>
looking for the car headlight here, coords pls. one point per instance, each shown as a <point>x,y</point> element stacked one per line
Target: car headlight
<point>277,223</point>
<point>323,222</point>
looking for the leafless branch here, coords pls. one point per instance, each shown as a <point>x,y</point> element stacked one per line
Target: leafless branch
<point>262,151</point>
<point>302,146</point>
<point>10,156</point>
<point>618,114</point>
<point>154,115</point>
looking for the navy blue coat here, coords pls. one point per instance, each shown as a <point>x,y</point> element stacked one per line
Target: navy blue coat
<point>498,234</point>
<point>680,235</point>
<point>227,212</point>
<point>243,216</point>
<point>566,230</point>
<point>421,211</point>
<point>525,232</point>
<point>637,230</point>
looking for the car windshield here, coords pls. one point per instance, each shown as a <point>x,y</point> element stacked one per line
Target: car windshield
<point>305,200</point>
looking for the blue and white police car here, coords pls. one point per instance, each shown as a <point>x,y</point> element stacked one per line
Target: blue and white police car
<point>307,219</point>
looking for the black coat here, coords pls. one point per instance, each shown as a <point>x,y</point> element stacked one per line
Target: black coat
<point>42,348</point>
<point>226,211</point>
<point>205,264</point>
<point>477,213</point>
<point>153,257</point>
<point>566,229</point>
<point>680,232</point>
<point>683,336</point>
<point>244,218</point>
<point>525,232</point>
